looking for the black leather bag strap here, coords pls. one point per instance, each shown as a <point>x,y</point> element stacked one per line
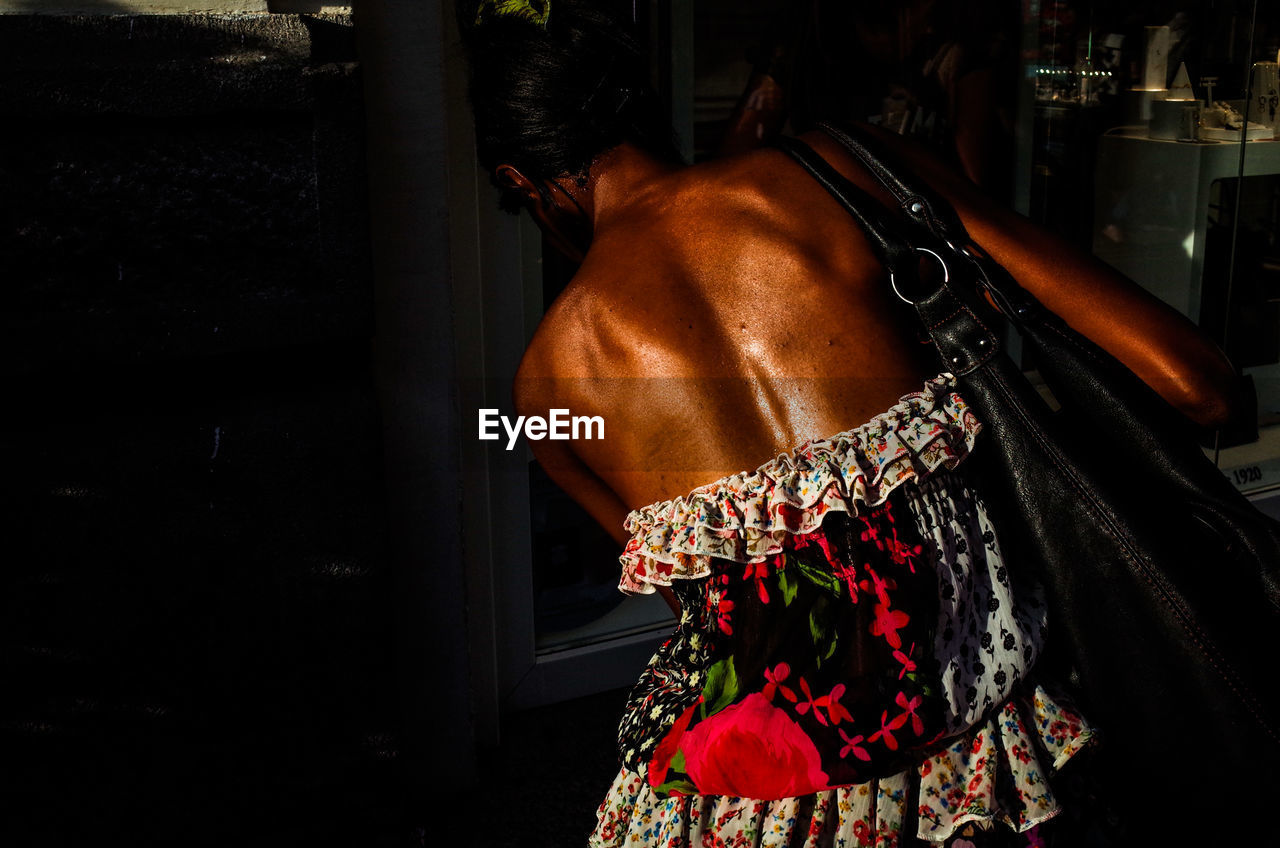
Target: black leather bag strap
<point>918,201</point>
<point>933,213</point>
<point>887,241</point>
<point>953,318</point>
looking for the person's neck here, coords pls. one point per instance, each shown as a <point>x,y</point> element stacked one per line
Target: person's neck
<point>621,177</point>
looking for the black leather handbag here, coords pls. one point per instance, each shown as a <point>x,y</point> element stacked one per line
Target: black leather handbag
<point>1162,579</point>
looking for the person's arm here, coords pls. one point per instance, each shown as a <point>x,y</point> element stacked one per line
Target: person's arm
<point>1159,344</point>
<point>573,476</point>
<point>758,118</point>
<point>1162,346</point>
<point>761,111</point>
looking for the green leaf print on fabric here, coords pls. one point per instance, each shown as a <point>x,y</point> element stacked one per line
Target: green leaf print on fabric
<point>720,689</point>
<point>824,580</point>
<point>825,636</point>
<point>676,787</point>
<point>680,785</point>
<point>788,586</point>
<point>831,649</point>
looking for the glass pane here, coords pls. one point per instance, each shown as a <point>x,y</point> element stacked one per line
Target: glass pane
<point>1249,203</point>
<point>1151,142</point>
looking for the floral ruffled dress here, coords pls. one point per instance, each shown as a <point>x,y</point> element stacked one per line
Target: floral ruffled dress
<point>851,664</point>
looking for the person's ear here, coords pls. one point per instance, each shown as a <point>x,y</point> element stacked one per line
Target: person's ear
<point>510,176</point>
<point>567,227</point>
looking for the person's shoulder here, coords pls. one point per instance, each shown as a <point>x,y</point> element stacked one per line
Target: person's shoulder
<point>596,338</point>
<point>545,373</point>
<point>717,211</point>
<point>572,342</point>
<point>561,331</point>
<point>733,183</point>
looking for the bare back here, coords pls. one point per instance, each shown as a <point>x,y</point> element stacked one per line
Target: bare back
<point>732,310</point>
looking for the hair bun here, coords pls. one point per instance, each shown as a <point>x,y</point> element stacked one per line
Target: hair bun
<point>534,11</point>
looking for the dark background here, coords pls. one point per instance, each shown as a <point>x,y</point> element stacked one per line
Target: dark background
<point>231,596</point>
<point>199,637</point>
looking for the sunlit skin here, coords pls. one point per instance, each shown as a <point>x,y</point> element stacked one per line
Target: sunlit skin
<point>728,311</point>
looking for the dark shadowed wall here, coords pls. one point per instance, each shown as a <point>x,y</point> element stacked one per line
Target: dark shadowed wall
<point>223,617</point>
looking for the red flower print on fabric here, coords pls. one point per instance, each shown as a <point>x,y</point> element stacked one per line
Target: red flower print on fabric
<point>792,517</point>
<point>808,702</point>
<point>836,710</point>
<point>917,724</point>
<point>881,587</point>
<point>831,703</point>
<point>752,749</point>
<point>853,747</point>
<point>900,553</point>
<point>849,574</point>
<point>903,554</point>
<point>774,680</point>
<point>886,730</point>
<point>908,664</point>
<point>758,571</point>
<point>719,603</point>
<point>887,624</point>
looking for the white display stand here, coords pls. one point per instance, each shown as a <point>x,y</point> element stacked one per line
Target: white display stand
<point>1151,217</point>
<point>1151,207</point>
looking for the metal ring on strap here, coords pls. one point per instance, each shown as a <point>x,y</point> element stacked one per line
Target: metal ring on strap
<point>946,275</point>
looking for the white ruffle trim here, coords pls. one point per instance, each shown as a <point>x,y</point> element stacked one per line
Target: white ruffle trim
<point>1018,748</point>
<point>745,517</point>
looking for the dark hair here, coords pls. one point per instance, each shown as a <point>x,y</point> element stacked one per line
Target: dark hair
<point>549,100</point>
